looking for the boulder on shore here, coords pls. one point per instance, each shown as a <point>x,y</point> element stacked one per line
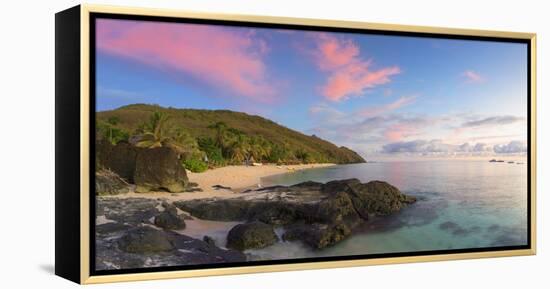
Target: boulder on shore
<point>159,169</point>
<point>145,240</point>
<point>109,183</point>
<point>348,201</point>
<point>119,158</point>
<point>318,236</point>
<point>170,220</point>
<point>126,238</point>
<point>154,169</point>
<point>252,235</point>
<point>318,214</point>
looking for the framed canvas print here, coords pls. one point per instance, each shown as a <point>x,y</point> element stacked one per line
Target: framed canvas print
<point>193,144</point>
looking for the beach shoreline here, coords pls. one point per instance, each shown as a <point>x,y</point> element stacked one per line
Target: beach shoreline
<point>236,179</point>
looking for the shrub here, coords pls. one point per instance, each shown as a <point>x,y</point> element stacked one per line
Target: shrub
<point>195,165</point>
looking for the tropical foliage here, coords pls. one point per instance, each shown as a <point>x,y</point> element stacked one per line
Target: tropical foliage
<point>212,138</point>
<point>108,130</point>
<point>153,133</point>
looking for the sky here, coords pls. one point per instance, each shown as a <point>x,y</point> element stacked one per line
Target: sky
<point>382,96</point>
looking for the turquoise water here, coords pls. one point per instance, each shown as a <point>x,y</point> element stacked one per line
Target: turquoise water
<point>461,204</point>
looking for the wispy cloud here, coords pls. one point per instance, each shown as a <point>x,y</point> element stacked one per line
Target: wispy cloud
<point>401,102</point>
<point>399,131</point>
<point>367,134</point>
<point>349,73</point>
<point>230,60</point>
<point>386,131</point>
<point>333,53</point>
<point>471,76</point>
<point>417,146</point>
<point>493,121</point>
<point>118,93</point>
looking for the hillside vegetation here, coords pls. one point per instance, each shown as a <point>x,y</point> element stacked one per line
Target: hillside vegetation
<point>209,138</point>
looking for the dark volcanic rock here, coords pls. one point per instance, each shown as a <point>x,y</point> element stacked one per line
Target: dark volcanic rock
<point>372,198</point>
<point>220,187</point>
<point>382,198</point>
<point>159,169</point>
<point>192,187</point>
<point>318,235</point>
<point>109,183</point>
<point>251,236</point>
<point>216,210</point>
<point>120,158</point>
<point>109,228</point>
<point>347,201</point>
<point>337,207</point>
<point>150,169</point>
<point>169,208</point>
<point>209,240</point>
<point>330,210</point>
<point>132,211</point>
<point>278,213</point>
<point>170,220</point>
<point>124,242</point>
<point>145,240</point>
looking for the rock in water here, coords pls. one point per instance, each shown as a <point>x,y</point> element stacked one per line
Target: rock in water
<point>109,183</point>
<point>251,236</point>
<point>318,214</point>
<point>145,240</point>
<point>159,169</point>
<point>318,236</point>
<point>337,207</point>
<point>170,220</point>
<point>216,210</point>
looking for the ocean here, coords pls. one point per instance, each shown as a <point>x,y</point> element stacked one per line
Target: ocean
<point>461,204</point>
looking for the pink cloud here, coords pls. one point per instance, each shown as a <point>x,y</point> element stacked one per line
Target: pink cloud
<point>333,53</point>
<point>226,59</point>
<point>399,131</point>
<point>349,74</point>
<point>472,76</point>
<point>374,111</point>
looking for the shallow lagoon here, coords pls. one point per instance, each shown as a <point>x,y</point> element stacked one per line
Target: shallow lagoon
<point>461,204</point>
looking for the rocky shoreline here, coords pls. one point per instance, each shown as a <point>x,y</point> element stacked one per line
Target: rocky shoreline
<point>319,215</point>
<point>136,232</point>
<point>144,232</point>
<point>139,232</point>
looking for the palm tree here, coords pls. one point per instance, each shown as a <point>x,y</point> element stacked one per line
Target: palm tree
<point>259,148</point>
<point>154,132</point>
<point>220,128</point>
<point>112,121</point>
<point>182,142</point>
<point>240,149</point>
<point>182,138</point>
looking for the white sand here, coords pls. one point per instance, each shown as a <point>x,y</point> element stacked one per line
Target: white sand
<point>238,178</point>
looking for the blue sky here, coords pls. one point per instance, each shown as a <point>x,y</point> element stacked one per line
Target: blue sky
<point>379,95</point>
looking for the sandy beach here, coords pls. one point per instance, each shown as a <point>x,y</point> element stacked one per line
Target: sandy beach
<point>238,178</point>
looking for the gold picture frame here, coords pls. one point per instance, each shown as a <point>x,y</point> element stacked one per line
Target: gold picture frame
<point>77,268</point>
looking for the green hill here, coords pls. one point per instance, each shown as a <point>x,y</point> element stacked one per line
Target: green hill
<point>223,136</point>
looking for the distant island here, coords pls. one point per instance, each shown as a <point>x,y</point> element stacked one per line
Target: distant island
<point>216,138</point>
